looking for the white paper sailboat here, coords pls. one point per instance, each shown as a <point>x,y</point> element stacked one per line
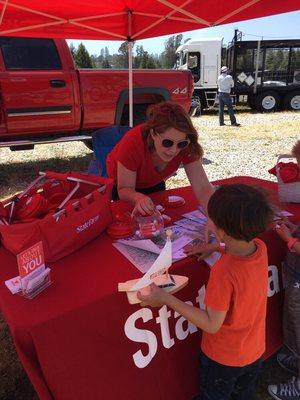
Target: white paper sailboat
<point>158,273</point>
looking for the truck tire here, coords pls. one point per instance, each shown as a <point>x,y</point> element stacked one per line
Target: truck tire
<point>267,101</point>
<point>291,101</point>
<point>196,107</point>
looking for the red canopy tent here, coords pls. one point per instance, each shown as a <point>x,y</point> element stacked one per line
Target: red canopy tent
<point>127,19</point>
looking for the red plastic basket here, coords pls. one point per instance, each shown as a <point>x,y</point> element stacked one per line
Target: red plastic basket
<point>68,226</point>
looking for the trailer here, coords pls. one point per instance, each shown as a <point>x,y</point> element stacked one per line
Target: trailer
<point>266,73</point>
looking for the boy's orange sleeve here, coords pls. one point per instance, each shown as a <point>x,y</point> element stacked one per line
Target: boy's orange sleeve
<point>219,290</point>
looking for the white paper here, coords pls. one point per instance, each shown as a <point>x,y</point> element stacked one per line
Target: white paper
<point>141,259</point>
<point>196,216</point>
<point>143,244</point>
<point>137,251</point>
<point>212,258</point>
<point>282,213</point>
<point>32,275</point>
<point>184,237</point>
<point>188,224</point>
<point>14,284</point>
<point>173,199</point>
<point>159,267</point>
<point>180,243</point>
<point>286,213</point>
<point>37,281</point>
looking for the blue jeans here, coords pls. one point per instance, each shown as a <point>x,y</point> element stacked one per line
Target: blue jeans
<point>225,99</point>
<point>221,382</point>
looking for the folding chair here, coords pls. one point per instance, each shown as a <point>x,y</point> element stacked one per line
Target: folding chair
<point>104,140</point>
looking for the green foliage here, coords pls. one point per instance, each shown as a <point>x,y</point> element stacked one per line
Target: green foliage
<point>168,56</point>
<point>141,60</point>
<point>72,50</point>
<point>82,57</point>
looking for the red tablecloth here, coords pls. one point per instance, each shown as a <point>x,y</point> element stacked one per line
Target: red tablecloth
<point>80,339</point>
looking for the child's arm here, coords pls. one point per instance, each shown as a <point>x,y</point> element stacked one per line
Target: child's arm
<point>209,320</point>
<point>294,244</point>
<point>285,233</point>
<point>202,250</point>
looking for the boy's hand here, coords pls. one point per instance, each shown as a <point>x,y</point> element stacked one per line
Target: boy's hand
<point>283,231</point>
<point>290,225</point>
<point>156,297</point>
<point>201,250</point>
<point>209,228</point>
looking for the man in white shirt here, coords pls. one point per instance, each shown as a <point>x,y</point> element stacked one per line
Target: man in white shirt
<point>225,83</point>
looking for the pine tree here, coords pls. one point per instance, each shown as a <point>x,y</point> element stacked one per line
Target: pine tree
<point>105,64</point>
<point>82,58</point>
<point>73,50</point>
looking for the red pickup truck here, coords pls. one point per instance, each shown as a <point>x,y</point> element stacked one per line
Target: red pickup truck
<point>44,98</point>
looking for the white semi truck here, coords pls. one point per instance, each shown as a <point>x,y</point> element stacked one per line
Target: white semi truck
<point>266,73</point>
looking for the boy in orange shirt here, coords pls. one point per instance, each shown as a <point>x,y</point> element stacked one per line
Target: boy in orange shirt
<point>233,322</point>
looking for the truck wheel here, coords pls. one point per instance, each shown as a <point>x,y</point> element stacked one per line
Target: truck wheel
<point>291,100</point>
<point>196,107</point>
<point>267,101</point>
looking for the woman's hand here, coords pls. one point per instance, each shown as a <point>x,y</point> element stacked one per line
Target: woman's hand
<point>143,205</point>
<point>155,296</point>
<point>202,250</point>
<point>283,231</point>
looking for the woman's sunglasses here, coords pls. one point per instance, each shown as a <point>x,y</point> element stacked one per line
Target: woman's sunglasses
<point>167,143</point>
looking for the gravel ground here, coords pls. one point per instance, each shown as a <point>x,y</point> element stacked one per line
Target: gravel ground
<point>250,149</point>
<point>228,151</point>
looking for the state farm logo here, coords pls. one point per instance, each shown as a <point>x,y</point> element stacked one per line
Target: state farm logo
<point>173,327</point>
<point>87,224</point>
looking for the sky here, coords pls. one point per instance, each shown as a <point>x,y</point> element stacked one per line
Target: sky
<point>281,26</point>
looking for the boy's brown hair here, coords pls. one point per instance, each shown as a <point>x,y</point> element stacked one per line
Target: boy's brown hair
<point>241,211</point>
<point>165,115</point>
<point>296,150</point>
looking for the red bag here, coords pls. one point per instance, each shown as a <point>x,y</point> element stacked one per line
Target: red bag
<point>70,227</point>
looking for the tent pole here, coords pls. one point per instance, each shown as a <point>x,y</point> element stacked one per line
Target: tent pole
<point>130,46</point>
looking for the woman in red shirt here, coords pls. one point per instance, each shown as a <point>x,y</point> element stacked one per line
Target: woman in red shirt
<point>150,153</point>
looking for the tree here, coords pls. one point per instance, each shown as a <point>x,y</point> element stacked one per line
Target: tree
<point>106,58</point>
<point>73,50</point>
<point>168,56</point>
<point>82,57</point>
<point>105,64</point>
<point>147,61</point>
<point>122,59</point>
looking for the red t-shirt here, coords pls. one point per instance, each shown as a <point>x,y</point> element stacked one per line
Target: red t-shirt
<point>238,285</point>
<point>133,153</point>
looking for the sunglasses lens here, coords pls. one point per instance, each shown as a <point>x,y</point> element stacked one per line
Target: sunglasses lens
<point>167,143</point>
<point>183,144</point>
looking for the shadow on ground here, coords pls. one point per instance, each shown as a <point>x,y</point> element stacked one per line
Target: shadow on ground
<point>12,181</point>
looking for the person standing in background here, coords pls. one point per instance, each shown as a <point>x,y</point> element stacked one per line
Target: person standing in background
<point>225,83</point>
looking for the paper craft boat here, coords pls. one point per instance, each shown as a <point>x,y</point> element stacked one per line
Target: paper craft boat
<point>158,273</point>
